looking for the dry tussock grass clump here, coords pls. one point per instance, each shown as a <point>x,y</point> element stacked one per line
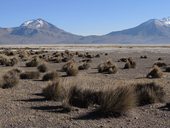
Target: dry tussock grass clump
<point>5,60</point>
<point>148,93</point>
<point>89,55</point>
<point>33,63</point>
<point>83,97</point>
<point>23,54</point>
<point>127,65</point>
<point>155,72</point>
<point>50,76</point>
<point>42,67</point>
<point>66,59</point>
<point>58,59</point>
<point>117,101</point>
<point>30,75</point>
<point>65,66</point>
<point>107,67</point>
<point>67,52</point>
<point>122,60</point>
<point>86,60</point>
<point>160,64</point>
<point>10,79</point>
<point>70,68</point>
<point>11,61</point>
<point>81,55</point>
<point>130,63</point>
<point>56,54</point>
<point>9,52</point>
<point>54,91</point>
<point>84,66</point>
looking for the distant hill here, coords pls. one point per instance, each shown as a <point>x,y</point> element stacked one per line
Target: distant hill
<point>39,31</point>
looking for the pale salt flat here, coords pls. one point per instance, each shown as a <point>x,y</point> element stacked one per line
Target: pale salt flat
<point>120,48</point>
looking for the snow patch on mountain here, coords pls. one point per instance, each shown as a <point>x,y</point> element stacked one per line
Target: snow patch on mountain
<point>166,21</point>
<point>38,23</point>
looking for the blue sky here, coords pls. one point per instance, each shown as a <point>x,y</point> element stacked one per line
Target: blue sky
<point>84,17</point>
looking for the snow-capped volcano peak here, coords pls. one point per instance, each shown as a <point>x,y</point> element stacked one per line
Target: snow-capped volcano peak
<point>166,21</point>
<point>38,23</point>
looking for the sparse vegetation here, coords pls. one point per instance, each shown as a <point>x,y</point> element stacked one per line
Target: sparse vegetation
<point>155,72</point>
<point>83,97</point>
<point>160,64</point>
<point>122,60</point>
<point>130,63</point>
<point>50,76</point>
<point>65,66</point>
<point>71,68</point>
<point>42,67</point>
<point>11,62</point>
<point>107,67</point>
<point>10,79</point>
<point>100,95</point>
<point>117,101</point>
<point>33,63</point>
<point>5,60</point>
<point>149,93</point>
<point>54,91</point>
<point>84,66</point>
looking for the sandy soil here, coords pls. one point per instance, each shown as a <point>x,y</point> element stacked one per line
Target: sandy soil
<point>21,106</point>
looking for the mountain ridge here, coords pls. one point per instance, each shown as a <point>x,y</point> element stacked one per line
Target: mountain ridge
<point>39,31</point>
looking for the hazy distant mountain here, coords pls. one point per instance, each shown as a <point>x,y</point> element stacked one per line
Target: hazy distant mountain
<point>151,31</point>
<point>41,32</point>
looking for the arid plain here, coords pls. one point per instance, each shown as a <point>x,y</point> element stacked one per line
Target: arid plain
<point>85,86</point>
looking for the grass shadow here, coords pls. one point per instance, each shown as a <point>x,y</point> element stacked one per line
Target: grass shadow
<point>166,107</point>
<point>38,80</point>
<point>58,109</point>
<point>93,73</point>
<point>33,100</point>
<point>141,77</point>
<point>64,76</point>
<point>38,94</point>
<point>95,115</point>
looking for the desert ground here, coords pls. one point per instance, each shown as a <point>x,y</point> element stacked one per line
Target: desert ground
<point>24,105</point>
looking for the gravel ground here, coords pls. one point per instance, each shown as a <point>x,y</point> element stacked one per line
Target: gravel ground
<point>21,106</point>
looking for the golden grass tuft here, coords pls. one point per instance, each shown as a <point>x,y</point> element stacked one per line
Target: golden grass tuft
<point>155,72</point>
<point>10,79</point>
<point>84,66</point>
<point>148,93</point>
<point>117,101</point>
<point>83,97</point>
<point>42,67</point>
<point>54,91</point>
<point>33,63</point>
<point>50,76</point>
<point>107,67</point>
<point>130,63</point>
